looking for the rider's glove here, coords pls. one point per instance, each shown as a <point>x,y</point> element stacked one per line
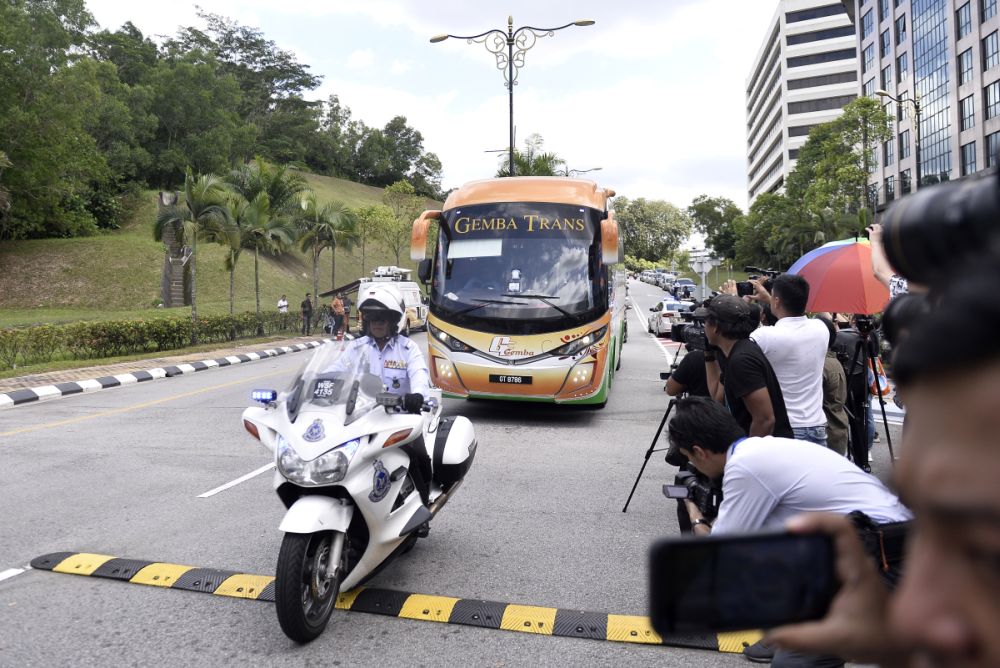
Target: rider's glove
<point>413,402</point>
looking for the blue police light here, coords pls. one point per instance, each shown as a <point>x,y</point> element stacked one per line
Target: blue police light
<point>264,396</point>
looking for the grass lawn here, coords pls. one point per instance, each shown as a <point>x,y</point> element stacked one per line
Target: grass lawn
<point>116,275</point>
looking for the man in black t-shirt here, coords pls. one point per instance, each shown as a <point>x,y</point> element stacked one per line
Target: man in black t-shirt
<point>689,376</point>
<point>738,373</point>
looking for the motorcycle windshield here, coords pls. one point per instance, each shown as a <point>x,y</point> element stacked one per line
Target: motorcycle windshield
<point>336,376</point>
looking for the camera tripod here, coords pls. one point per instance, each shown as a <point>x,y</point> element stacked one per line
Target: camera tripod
<point>864,350</point>
<point>651,450</point>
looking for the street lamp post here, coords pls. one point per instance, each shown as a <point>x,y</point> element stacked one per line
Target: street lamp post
<point>915,102</point>
<point>510,60</point>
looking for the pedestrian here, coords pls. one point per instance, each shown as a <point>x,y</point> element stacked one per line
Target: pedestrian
<point>834,394</point>
<point>283,312</point>
<point>306,308</point>
<point>337,308</point>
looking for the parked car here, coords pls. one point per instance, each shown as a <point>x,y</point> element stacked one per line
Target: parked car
<point>664,281</point>
<point>679,285</point>
<point>664,315</point>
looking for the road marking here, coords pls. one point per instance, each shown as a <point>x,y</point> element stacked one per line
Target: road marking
<point>534,619</point>
<point>233,483</point>
<point>147,404</point>
<point>665,347</point>
<point>11,572</point>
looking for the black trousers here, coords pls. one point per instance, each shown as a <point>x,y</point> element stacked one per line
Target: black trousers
<point>857,395</point>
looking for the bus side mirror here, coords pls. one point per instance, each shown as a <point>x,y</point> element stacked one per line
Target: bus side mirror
<point>418,236</point>
<point>424,270</point>
<point>610,248</point>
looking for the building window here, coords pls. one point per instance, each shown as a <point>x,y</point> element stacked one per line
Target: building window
<point>963,21</point>
<point>904,144</point>
<point>815,13</point>
<point>992,145</point>
<point>867,24</point>
<point>965,67</point>
<point>822,104</point>
<point>868,58</point>
<point>901,106</point>
<point>869,88</point>
<point>793,154</point>
<point>823,80</point>
<point>968,158</point>
<point>885,44</point>
<point>902,67</point>
<point>826,57</point>
<point>904,181</point>
<point>988,10</point>
<point>991,100</point>
<point>799,130</point>
<point>818,35</point>
<point>991,51</point>
<point>888,156</point>
<point>887,77</point>
<point>967,112</point>
<point>900,30</point>
<point>890,188</point>
<point>883,9</point>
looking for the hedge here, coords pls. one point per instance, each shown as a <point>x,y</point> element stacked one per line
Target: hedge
<point>96,340</point>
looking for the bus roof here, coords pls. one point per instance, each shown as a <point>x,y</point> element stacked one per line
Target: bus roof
<point>556,189</point>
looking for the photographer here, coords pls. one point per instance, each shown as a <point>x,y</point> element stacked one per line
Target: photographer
<point>689,376</point>
<point>738,373</point>
<point>768,480</point>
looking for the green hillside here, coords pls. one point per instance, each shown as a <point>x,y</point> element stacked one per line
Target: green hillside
<point>117,275</point>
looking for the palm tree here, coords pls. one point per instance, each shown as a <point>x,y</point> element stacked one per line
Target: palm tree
<point>323,226</point>
<point>262,231</point>
<point>533,161</point>
<point>203,209</point>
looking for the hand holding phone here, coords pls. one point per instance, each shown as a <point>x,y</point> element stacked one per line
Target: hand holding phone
<point>727,583</point>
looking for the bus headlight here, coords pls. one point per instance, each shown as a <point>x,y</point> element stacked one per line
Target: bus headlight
<point>449,340</point>
<point>580,376</point>
<point>573,347</point>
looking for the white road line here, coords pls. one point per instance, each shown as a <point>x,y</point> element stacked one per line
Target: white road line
<point>645,327</point>
<point>11,572</point>
<point>233,483</point>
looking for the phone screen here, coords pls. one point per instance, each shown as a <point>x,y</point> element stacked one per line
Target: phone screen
<point>676,491</point>
<point>727,583</point>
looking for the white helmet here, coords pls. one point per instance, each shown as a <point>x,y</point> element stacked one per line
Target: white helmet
<point>379,299</point>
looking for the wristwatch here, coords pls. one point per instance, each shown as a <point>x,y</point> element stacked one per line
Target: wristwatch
<point>700,521</point>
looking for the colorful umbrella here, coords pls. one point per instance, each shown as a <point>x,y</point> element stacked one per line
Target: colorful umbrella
<point>841,279</point>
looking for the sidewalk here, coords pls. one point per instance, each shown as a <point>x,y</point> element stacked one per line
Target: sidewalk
<point>21,389</point>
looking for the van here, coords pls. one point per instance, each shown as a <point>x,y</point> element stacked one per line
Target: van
<point>408,292</point>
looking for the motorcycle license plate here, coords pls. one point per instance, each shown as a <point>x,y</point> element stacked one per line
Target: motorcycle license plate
<point>510,380</point>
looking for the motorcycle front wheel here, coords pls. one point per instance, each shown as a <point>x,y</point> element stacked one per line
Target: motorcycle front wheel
<point>303,596</point>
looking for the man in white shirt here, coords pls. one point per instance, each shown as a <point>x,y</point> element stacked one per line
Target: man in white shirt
<point>796,348</point>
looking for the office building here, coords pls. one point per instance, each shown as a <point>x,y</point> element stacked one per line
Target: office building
<point>805,72</point>
<point>943,57</point>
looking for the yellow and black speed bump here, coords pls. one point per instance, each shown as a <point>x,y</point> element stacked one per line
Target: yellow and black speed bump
<point>444,609</point>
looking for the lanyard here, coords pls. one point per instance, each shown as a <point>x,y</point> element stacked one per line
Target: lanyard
<point>735,443</point>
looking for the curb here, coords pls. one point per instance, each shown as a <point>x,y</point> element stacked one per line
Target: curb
<point>45,392</point>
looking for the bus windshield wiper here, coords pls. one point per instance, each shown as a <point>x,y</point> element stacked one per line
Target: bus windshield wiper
<point>542,298</point>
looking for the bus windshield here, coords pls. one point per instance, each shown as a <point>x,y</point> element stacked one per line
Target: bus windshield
<point>519,267</point>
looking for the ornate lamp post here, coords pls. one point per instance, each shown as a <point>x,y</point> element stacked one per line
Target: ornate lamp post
<point>915,104</point>
<point>509,49</point>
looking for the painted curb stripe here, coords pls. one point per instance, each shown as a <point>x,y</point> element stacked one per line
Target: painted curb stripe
<point>27,395</point>
<point>441,609</point>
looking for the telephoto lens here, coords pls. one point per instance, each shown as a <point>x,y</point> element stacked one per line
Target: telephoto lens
<point>932,233</point>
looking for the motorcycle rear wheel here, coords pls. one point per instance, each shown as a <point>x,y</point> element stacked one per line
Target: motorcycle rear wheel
<point>303,597</point>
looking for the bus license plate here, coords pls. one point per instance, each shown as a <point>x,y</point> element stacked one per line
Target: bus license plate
<point>510,380</point>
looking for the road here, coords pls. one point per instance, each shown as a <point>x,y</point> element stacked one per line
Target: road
<point>119,472</point>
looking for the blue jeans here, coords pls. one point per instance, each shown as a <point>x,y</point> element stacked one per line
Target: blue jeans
<point>870,417</point>
<point>815,435</point>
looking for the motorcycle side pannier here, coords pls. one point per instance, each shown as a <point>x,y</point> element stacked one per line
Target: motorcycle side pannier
<point>454,449</point>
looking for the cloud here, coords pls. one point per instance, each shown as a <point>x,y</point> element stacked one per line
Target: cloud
<point>401,66</point>
<point>361,59</point>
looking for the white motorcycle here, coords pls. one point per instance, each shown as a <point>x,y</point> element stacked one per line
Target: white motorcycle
<point>361,472</point>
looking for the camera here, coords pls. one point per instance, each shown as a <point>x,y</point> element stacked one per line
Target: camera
<point>933,233</point>
<point>691,332</point>
<point>746,289</point>
<point>702,491</point>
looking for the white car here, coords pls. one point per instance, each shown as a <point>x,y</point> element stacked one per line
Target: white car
<point>664,316</point>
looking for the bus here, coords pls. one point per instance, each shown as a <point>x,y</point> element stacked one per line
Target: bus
<point>526,290</point>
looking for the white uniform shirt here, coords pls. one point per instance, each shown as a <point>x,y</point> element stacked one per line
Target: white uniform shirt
<point>400,364</point>
<point>768,479</point>
<point>796,349</point>
<point>282,305</point>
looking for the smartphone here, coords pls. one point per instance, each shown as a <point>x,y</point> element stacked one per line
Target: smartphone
<point>738,582</point>
<point>676,491</point>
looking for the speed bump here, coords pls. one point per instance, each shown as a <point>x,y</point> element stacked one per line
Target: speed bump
<point>442,609</point>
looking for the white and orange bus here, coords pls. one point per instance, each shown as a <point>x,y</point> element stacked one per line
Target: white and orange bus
<point>527,290</point>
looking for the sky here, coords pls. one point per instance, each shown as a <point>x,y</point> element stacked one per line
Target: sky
<point>653,93</point>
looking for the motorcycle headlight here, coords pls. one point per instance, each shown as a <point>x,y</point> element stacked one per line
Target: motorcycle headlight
<point>449,340</point>
<point>573,347</point>
<point>326,469</point>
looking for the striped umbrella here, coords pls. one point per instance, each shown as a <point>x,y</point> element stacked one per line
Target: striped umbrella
<point>841,279</point>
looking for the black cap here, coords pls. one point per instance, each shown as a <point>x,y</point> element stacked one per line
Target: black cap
<point>727,308</point>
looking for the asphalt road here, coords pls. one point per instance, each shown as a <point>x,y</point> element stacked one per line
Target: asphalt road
<point>538,522</point>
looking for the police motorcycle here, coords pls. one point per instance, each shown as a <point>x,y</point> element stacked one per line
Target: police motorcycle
<point>361,473</point>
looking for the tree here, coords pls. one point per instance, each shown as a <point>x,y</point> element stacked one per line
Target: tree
<point>532,161</point>
<point>716,218</point>
<point>5,163</point>
<point>406,206</point>
<point>651,229</point>
<point>262,231</point>
<point>426,176</point>
<point>323,226</point>
<point>204,207</point>
<point>370,220</point>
